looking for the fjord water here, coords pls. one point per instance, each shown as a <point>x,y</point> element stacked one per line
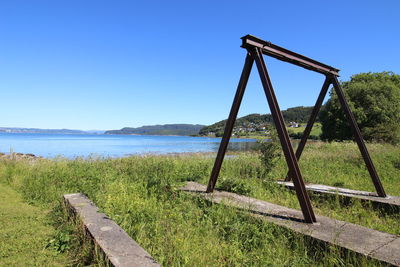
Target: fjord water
<point>82,145</point>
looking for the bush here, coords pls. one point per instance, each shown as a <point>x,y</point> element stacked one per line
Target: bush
<point>239,186</point>
<point>374,99</point>
<point>270,152</point>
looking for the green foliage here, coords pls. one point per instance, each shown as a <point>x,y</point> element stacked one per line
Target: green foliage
<point>270,152</point>
<point>72,239</point>
<point>167,129</point>
<point>297,133</point>
<point>239,186</point>
<point>374,98</point>
<point>60,242</point>
<point>297,114</point>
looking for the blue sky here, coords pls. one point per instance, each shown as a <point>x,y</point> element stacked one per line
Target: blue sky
<point>109,64</point>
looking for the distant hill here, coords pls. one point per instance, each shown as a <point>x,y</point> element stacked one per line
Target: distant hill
<point>167,129</point>
<point>37,130</point>
<point>258,121</point>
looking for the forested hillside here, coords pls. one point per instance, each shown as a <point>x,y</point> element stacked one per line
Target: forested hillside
<point>257,122</point>
<point>167,129</point>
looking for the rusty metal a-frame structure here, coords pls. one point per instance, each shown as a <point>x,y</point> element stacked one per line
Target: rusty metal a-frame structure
<point>256,48</point>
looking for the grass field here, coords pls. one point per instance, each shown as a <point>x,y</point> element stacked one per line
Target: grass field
<point>316,129</point>
<point>141,194</point>
<point>25,233</point>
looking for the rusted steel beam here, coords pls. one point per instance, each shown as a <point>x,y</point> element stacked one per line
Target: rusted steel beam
<point>359,139</point>
<point>256,48</point>
<point>280,126</point>
<point>230,122</point>
<point>283,54</point>
<point>312,119</point>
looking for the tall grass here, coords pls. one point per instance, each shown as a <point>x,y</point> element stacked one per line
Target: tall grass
<point>141,194</point>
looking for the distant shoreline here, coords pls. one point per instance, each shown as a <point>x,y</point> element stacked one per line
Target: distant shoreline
<point>132,134</point>
<point>203,136</point>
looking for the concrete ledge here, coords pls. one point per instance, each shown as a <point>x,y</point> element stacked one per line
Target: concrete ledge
<point>368,242</point>
<point>389,201</point>
<point>120,249</point>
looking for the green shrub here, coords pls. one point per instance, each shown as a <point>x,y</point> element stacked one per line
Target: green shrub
<point>270,153</point>
<point>239,186</point>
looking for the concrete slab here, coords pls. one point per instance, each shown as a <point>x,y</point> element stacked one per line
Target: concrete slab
<point>120,249</point>
<point>389,201</point>
<point>389,251</point>
<point>368,242</point>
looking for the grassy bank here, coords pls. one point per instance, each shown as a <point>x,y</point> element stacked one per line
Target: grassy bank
<point>141,194</point>
<point>25,232</point>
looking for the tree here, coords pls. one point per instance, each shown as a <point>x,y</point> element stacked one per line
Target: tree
<point>374,99</point>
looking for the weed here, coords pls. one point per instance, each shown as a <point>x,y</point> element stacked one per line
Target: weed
<point>270,153</point>
<point>238,186</point>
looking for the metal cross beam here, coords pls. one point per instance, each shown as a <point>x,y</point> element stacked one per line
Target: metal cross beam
<point>255,50</point>
<point>267,48</point>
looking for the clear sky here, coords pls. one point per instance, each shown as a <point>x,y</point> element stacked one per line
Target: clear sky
<point>94,64</point>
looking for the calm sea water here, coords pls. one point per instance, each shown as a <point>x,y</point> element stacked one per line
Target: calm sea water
<point>71,145</point>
